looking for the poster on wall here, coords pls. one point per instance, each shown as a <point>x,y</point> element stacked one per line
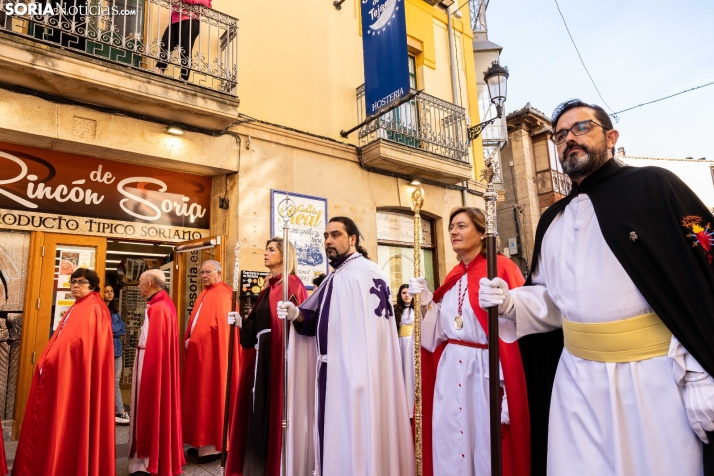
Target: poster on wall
<point>308,219</point>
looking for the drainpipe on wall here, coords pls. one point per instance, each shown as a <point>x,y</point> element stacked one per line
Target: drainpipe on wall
<point>454,86</point>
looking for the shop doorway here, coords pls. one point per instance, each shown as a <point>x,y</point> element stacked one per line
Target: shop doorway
<point>126,261</point>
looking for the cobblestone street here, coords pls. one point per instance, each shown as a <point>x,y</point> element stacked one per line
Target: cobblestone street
<point>122,432</point>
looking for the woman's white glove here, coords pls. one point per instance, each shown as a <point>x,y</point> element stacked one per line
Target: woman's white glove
<point>419,286</point>
<point>234,319</point>
<point>494,292</point>
<point>288,310</point>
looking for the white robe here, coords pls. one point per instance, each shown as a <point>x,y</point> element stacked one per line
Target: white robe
<point>138,464</point>
<point>606,419</point>
<point>301,398</point>
<point>461,438</point>
<point>406,348</point>
<point>367,430</point>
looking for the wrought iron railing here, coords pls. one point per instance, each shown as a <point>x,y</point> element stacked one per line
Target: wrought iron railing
<point>553,181</point>
<point>426,122</point>
<point>477,11</point>
<point>183,41</point>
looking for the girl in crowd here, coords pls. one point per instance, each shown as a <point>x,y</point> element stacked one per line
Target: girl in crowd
<point>404,314</point>
<point>118,330</point>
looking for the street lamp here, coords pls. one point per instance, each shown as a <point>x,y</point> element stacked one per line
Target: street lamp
<point>496,77</point>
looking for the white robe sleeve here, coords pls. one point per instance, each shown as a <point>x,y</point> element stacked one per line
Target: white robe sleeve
<point>533,312</point>
<point>698,389</point>
<point>432,334</point>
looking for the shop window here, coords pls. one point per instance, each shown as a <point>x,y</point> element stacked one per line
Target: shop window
<point>395,250</point>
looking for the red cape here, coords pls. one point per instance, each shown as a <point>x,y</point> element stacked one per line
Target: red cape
<point>205,363</point>
<point>236,453</point>
<point>515,438</point>
<point>158,412</point>
<point>69,422</point>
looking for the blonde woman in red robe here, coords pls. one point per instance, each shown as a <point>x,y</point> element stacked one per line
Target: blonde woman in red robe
<point>456,399</point>
<point>205,363</point>
<point>68,426</point>
<point>256,430</point>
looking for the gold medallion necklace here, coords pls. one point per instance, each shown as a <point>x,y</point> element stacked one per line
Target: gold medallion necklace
<point>458,320</point>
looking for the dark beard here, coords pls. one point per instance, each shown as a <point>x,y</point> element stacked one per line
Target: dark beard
<point>581,167</point>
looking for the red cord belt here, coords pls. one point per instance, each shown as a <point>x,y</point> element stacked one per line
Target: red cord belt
<point>475,345</point>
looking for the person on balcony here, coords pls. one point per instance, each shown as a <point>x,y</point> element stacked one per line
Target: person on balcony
<point>182,33</point>
<point>452,317</point>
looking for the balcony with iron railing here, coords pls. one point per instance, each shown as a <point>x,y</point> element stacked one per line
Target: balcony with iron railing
<point>425,137</point>
<point>171,59</point>
<point>552,186</point>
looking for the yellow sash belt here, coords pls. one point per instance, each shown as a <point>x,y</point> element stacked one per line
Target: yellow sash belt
<point>638,338</point>
<point>406,330</point>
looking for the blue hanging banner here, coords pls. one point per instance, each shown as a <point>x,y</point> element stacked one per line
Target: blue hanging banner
<point>386,65</point>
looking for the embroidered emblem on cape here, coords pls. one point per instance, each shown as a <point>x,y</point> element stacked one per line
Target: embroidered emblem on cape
<point>633,236</point>
<point>701,235</point>
<point>381,290</point>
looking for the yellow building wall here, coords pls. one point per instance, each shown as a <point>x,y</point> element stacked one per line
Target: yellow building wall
<point>300,62</point>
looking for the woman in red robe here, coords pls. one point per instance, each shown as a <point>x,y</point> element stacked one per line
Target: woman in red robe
<point>256,430</point>
<point>68,426</point>
<point>454,371</point>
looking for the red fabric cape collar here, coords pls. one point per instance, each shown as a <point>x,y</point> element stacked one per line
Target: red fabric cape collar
<point>455,274</point>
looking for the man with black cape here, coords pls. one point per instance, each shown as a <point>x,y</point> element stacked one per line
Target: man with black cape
<point>623,265</point>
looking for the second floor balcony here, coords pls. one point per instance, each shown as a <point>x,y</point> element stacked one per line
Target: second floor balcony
<point>172,59</point>
<point>552,186</point>
<point>423,138</point>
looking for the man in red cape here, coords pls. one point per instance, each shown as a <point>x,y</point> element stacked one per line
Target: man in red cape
<point>69,422</point>
<point>515,438</point>
<point>203,387</point>
<point>240,420</point>
<point>155,434</point>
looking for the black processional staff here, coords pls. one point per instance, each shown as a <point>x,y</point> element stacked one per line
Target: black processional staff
<point>231,344</point>
<point>496,77</point>
<point>285,208</point>
<point>494,384</point>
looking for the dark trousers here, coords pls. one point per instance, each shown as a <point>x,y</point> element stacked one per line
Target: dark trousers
<point>182,34</point>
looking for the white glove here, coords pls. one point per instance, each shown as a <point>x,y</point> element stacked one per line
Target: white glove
<point>288,310</point>
<point>494,292</point>
<point>505,416</point>
<point>234,319</point>
<point>699,403</point>
<point>418,286</point>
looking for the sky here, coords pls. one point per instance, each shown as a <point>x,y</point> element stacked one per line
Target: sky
<point>635,50</point>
